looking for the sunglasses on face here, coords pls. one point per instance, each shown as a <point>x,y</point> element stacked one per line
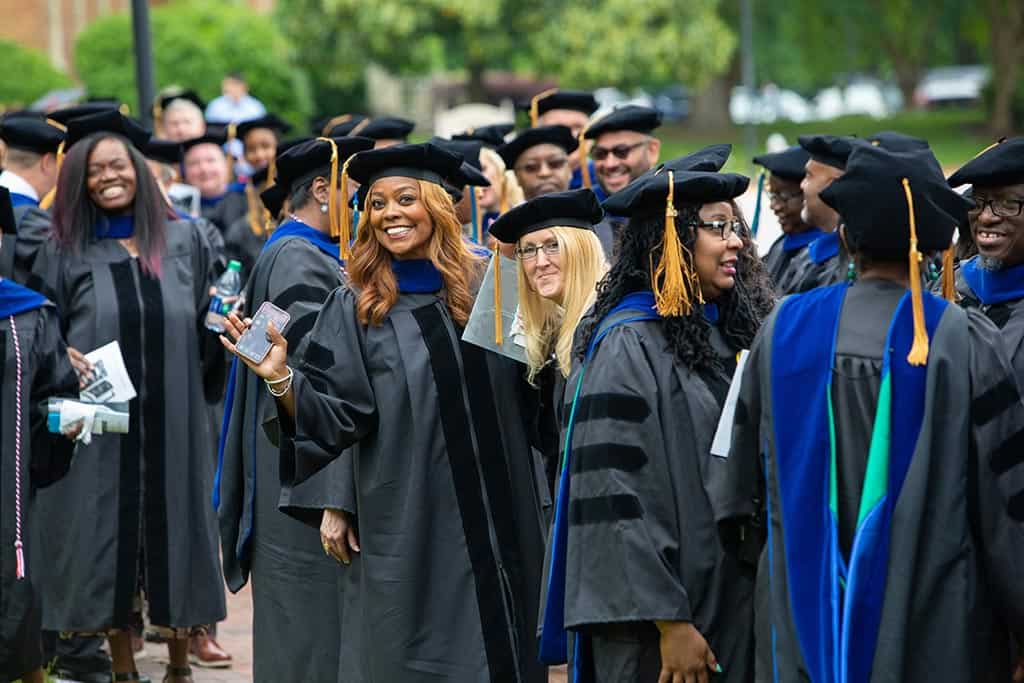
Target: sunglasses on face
<point>621,152</point>
<point>533,167</point>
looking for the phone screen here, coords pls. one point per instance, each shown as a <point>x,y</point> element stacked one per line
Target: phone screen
<point>254,344</point>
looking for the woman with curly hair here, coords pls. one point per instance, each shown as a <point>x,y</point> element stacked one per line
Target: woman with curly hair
<point>441,528</point>
<point>638,574</point>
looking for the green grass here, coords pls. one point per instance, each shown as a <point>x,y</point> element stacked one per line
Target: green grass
<point>955,135</point>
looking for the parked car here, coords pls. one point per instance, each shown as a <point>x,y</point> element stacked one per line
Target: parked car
<point>951,86</point>
<point>673,103</point>
<point>768,105</point>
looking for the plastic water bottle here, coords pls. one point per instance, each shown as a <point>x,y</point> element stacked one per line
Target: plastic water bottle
<point>223,301</point>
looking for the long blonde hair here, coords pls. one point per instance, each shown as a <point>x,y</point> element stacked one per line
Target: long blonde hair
<point>548,326</point>
<point>509,192</point>
<point>370,271</point>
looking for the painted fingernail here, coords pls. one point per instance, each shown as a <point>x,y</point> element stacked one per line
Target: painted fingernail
<point>718,668</point>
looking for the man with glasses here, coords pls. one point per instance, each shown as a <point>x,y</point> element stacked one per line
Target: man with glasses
<point>569,108</point>
<point>993,281</point>
<point>786,199</point>
<point>623,150</point>
<point>540,159</point>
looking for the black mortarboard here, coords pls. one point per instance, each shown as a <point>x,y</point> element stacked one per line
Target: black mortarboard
<point>689,187</point>
<point>424,161</point>
<point>108,121</point>
<point>286,145</point>
<point>337,126</point>
<point>559,136</point>
<point>572,209</point>
<point>163,151</point>
<point>629,117</point>
<point>469,175</point>
<point>492,136</point>
<point>8,226</point>
<point>269,121</point>
<point>259,177</point>
<point>872,202</point>
<point>274,198</point>
<point>710,159</point>
<point>789,164</point>
<point>469,150</point>
<point>306,160</point>
<point>386,128</point>
<point>832,150</point>
<point>211,137</point>
<point>1000,164</point>
<point>64,116</point>
<point>897,142</point>
<point>574,100</point>
<point>31,133</point>
<point>163,100</point>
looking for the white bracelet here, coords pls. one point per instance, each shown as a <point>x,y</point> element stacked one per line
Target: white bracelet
<point>273,383</point>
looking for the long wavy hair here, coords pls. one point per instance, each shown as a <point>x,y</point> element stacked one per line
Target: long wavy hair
<point>370,271</point>
<point>509,192</point>
<point>741,309</point>
<point>548,326</point>
<point>75,214</point>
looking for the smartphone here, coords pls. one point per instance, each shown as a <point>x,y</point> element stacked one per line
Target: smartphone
<point>254,343</point>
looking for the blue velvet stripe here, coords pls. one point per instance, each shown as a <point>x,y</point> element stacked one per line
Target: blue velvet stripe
<point>229,401</point>
<point>114,227</point>
<point>824,247</point>
<point>994,286</point>
<point>837,606</point>
<point>16,299</point>
<point>298,229</point>
<point>22,200</point>
<point>554,644</point>
<point>417,276</point>
<point>800,240</point>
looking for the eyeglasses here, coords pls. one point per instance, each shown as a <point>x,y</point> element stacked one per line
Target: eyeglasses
<point>533,167</point>
<point>1004,208</point>
<point>621,152</point>
<point>785,197</point>
<point>529,252</point>
<point>725,229</point>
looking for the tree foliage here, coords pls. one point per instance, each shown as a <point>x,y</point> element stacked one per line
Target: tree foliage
<point>194,44</point>
<point>35,76</point>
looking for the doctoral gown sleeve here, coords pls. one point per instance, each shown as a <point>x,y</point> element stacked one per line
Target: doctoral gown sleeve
<point>335,405</point>
<point>54,376</point>
<point>33,231</point>
<point>48,271</point>
<point>997,452</point>
<point>622,503</point>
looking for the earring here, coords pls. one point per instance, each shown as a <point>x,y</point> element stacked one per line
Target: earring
<point>323,208</point>
<point>851,272</point>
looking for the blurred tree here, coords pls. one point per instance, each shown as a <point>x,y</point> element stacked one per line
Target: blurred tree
<point>1002,32</point>
<point>194,44</point>
<point>584,43</point>
<point>35,75</point>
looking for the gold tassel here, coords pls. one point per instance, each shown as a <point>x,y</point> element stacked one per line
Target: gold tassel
<point>253,213</point>
<point>47,201</point>
<point>478,214</point>
<point>359,127</point>
<point>919,350</point>
<point>499,323</point>
<point>675,285</point>
<point>56,124</point>
<point>125,110</point>
<point>345,211</point>
<point>535,105</point>
<point>336,121</point>
<point>948,284</point>
<point>333,210</point>
<point>503,207</point>
<point>584,155</point>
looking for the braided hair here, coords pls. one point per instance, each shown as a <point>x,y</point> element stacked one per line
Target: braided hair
<point>741,309</point>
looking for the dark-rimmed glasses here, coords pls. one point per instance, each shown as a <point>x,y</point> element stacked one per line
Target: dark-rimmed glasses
<point>785,197</point>
<point>725,229</point>
<point>1004,208</point>
<point>621,152</point>
<point>529,252</point>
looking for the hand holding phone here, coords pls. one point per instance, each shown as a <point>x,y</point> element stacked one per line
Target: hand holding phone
<point>254,343</point>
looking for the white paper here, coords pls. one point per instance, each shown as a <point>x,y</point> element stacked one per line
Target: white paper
<point>72,412</point>
<point>723,435</point>
<point>111,383</point>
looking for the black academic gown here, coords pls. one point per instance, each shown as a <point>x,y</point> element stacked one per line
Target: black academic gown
<point>1008,316</point>
<point>608,232</point>
<point>222,213</point>
<point>444,489</point>
<point>296,590</point>
<point>952,591</point>
<point>642,544</point>
<point>139,503</point>
<point>44,458</point>
<point>18,252</point>
<point>242,244</point>
<point>782,263</point>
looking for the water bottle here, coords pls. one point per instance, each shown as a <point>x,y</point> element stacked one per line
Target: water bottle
<point>228,288</point>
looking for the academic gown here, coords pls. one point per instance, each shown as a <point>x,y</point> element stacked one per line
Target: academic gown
<point>642,543</point>
<point>227,209</point>
<point>296,586</point>
<point>947,589</point>
<point>784,256</point>
<point>444,487</point>
<point>608,231</point>
<point>1005,309</point>
<point>135,508</point>
<point>243,245</point>
<point>45,372</point>
<point>18,252</point>
<point>821,264</point>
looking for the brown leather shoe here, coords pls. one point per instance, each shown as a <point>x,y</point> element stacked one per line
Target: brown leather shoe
<point>204,651</point>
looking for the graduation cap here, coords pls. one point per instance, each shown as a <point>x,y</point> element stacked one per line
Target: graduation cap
<point>630,117</point>
<point>897,142</point>
<point>64,116</point>
<point>274,198</point>
<point>108,121</point>
<point>548,100</point>
<point>163,100</point>
<point>572,209</point>
<point>385,128</point>
<point>996,165</point>
<point>897,205</point>
<point>469,150</point>
<point>787,164</point>
<point>832,150</point>
<point>424,161</point>
<point>32,133</point>
<point>8,226</point>
<point>268,121</point>
<point>560,136</point>
<point>163,151</point>
<point>710,159</point>
<point>213,136</point>
<point>674,281</point>
<point>492,136</point>
<point>338,126</point>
